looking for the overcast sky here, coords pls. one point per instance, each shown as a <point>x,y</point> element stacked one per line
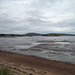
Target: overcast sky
<point>41,16</point>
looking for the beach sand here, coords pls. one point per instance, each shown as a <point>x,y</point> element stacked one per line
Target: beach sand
<point>31,65</point>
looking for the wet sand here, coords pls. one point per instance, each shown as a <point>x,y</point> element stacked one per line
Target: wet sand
<point>31,65</point>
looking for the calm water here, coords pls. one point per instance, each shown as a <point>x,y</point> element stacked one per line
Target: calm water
<point>60,48</point>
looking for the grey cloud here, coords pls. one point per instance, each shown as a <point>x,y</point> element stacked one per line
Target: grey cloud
<point>67,23</point>
<point>36,15</point>
<point>37,22</point>
<point>8,20</point>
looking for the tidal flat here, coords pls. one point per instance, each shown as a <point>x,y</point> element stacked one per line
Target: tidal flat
<point>59,48</point>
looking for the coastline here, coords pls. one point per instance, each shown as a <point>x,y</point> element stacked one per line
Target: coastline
<point>32,65</point>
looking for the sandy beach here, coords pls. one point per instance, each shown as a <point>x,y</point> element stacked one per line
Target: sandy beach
<point>31,65</point>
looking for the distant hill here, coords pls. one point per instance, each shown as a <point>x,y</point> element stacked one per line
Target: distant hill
<point>36,34</point>
<point>33,34</point>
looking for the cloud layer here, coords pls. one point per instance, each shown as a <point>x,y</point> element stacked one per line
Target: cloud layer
<point>43,16</point>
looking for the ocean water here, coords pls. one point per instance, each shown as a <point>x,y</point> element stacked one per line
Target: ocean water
<point>60,48</point>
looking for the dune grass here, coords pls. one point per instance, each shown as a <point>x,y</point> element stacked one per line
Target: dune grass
<point>5,71</point>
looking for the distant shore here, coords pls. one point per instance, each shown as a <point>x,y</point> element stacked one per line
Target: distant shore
<point>31,65</point>
<point>35,34</point>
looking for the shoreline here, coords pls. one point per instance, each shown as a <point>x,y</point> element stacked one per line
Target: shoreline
<point>31,65</point>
